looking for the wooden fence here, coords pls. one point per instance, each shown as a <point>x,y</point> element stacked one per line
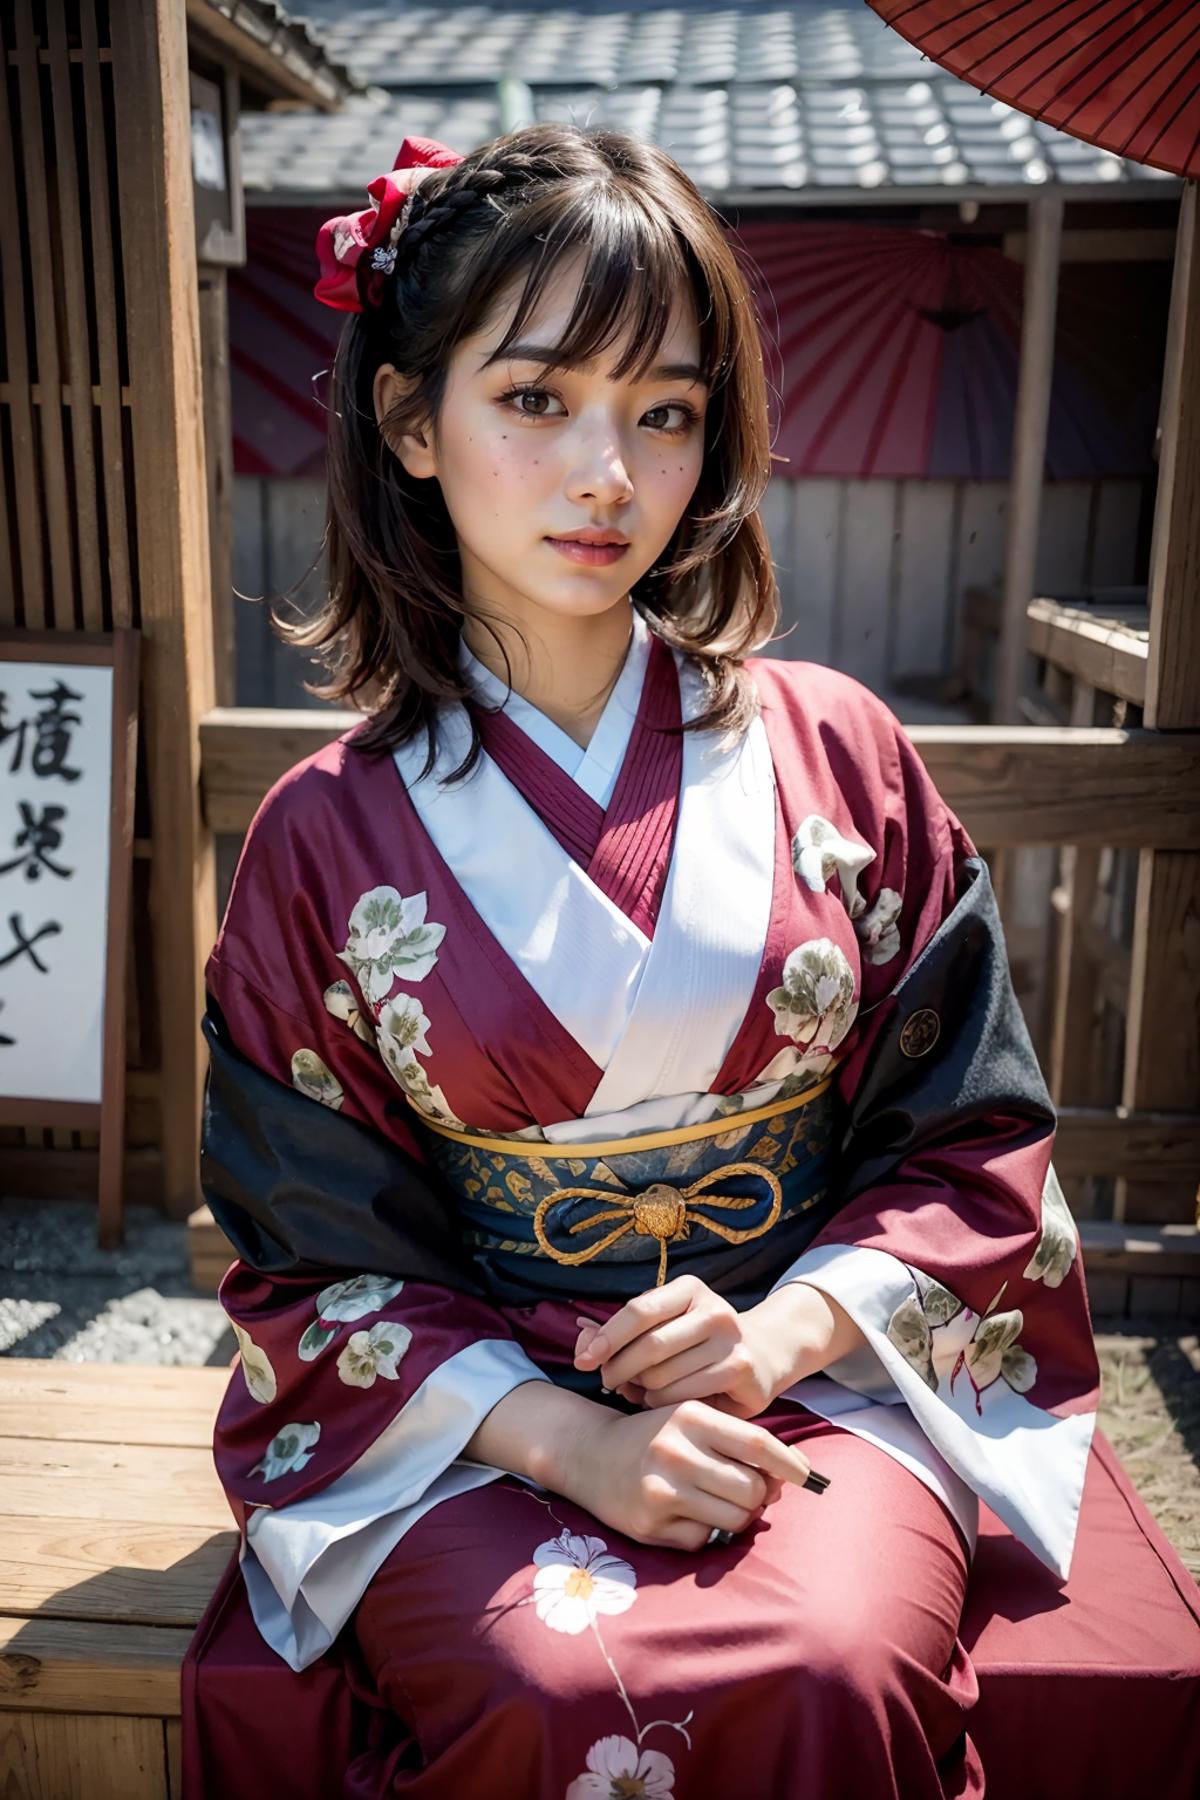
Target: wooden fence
<point>102,502</point>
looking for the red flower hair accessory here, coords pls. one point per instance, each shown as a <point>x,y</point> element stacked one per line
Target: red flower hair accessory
<point>341,242</point>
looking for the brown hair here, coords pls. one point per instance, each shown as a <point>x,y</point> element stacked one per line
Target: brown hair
<point>521,204</point>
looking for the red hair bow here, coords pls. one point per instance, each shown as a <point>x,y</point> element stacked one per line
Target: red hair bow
<point>341,242</point>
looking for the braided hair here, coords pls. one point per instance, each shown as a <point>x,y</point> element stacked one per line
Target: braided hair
<point>442,205</point>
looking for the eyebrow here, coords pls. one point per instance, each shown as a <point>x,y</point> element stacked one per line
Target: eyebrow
<point>548,356</point>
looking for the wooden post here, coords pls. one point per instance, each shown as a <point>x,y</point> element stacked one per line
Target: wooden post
<point>1162,1050</point>
<point>218,448</point>
<point>154,173</point>
<point>1029,449</point>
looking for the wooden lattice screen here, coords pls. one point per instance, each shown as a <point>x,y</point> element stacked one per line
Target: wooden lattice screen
<point>103,518</point>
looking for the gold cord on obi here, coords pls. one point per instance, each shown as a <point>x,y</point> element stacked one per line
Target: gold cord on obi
<point>660,1211</point>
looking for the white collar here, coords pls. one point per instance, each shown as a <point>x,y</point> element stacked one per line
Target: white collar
<point>594,769</point>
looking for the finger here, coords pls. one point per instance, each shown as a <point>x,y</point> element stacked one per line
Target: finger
<point>708,1384</point>
<point>710,1509</point>
<point>654,1307</point>
<point>698,1364</point>
<point>659,1344</point>
<point>735,1482</point>
<point>587,1331</point>
<point>746,1442</point>
<point>679,1534</point>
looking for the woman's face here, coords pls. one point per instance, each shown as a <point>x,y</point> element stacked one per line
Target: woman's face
<point>525,458</point>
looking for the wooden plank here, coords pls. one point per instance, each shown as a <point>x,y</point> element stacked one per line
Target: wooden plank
<point>209,1251</point>
<point>1162,1042</point>
<point>106,1403</point>
<point>1010,785</point>
<point>173,1746</point>
<point>1112,554</point>
<point>65,218</point>
<point>1162,1045</point>
<point>1063,535</point>
<point>983,528</point>
<point>1155,1297</point>
<point>1111,1247</point>
<point>1024,785</point>
<point>978,583</point>
<point>1162,1147</point>
<point>206,1272</point>
<point>1108,654</point>
<point>34,1171</point>
<point>218,456</point>
<point>111,396</point>
<point>1108,1295</point>
<point>923,575</point>
<point>35,249</point>
<point>1173,675</point>
<point>27,509</point>
<point>45,1479</point>
<point>254,641</point>
<point>82,1666</point>
<point>775,511</point>
<point>1070,989</point>
<point>865,580</point>
<point>154,177</point>
<point>126,1572</point>
<point>811,604</point>
<point>1029,447</point>
<point>50,1756</point>
<point>294,521</point>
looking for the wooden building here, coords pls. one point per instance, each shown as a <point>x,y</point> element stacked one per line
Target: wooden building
<point>120,213</point>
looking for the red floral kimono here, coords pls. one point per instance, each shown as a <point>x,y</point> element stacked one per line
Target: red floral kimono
<point>462,1036</point>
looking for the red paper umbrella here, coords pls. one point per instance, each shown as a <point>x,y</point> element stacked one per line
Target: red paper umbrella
<point>1121,74</point>
<point>896,353</point>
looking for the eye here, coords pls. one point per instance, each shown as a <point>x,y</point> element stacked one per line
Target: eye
<point>521,394</point>
<point>689,417</point>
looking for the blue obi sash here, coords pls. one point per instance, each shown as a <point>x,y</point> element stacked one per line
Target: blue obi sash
<point>733,1201</point>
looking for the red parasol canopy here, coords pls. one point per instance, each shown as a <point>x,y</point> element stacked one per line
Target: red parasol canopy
<point>1121,74</point>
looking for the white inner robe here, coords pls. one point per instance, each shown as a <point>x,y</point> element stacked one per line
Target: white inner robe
<point>658,1017</point>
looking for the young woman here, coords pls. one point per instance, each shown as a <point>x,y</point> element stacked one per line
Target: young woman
<point>649,1249</point>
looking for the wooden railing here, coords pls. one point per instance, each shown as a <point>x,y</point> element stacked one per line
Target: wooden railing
<point>1010,785</point>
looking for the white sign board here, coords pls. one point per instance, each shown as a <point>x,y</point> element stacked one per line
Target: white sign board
<point>55,810</point>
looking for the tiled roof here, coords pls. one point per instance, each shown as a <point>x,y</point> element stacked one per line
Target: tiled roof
<point>272,29</point>
<point>757,99</point>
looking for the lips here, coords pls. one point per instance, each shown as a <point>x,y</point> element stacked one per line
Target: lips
<point>588,551</point>
<point>589,535</point>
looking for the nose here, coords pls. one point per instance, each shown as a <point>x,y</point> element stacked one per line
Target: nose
<point>600,473</point>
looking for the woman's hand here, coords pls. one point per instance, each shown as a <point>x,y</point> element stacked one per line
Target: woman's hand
<point>668,1476</point>
<point>682,1341</point>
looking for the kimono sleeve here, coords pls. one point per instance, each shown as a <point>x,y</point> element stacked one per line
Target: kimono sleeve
<point>368,1357</point>
<point>954,1250</point>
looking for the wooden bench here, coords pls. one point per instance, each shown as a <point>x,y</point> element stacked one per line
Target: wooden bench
<point>116,1542</point>
<point>113,1535</point>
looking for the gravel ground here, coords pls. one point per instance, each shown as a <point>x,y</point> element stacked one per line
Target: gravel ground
<point>62,1297</point>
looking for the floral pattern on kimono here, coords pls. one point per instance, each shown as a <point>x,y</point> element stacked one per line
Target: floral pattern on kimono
<point>942,1338</point>
<point>578,1582</point>
<point>1058,1245</point>
<point>341,1302</point>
